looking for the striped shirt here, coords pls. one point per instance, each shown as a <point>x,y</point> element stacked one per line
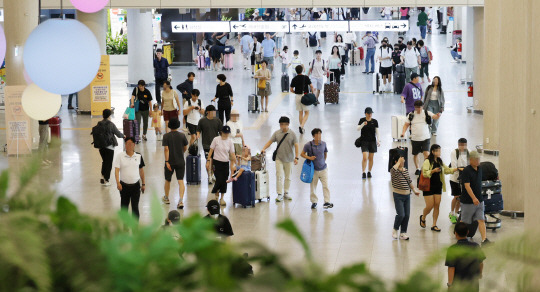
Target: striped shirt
<point>400,181</point>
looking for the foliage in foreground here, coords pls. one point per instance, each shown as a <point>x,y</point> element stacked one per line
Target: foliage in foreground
<point>46,244</point>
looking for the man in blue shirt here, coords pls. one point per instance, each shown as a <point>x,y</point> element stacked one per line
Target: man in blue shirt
<point>246,46</point>
<point>269,50</point>
<point>161,73</point>
<point>317,154</point>
<point>370,44</point>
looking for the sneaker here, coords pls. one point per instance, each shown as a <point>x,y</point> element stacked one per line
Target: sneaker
<point>222,202</point>
<point>102,181</point>
<point>328,205</point>
<point>394,234</point>
<point>287,197</point>
<point>453,218</point>
<point>314,206</point>
<point>365,72</point>
<point>70,107</point>
<point>107,183</point>
<point>434,134</point>
<point>417,172</point>
<point>144,138</point>
<point>165,200</point>
<point>279,198</point>
<point>486,242</point>
<point>180,206</point>
<point>403,236</point>
<point>369,174</point>
<point>363,175</point>
<point>300,130</point>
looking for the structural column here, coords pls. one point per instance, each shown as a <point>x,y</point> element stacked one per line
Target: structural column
<point>97,23</point>
<point>140,50</point>
<point>478,58</point>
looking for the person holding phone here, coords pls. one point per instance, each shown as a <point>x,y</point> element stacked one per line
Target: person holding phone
<point>401,189</point>
<point>194,110</point>
<point>434,169</point>
<point>129,174</point>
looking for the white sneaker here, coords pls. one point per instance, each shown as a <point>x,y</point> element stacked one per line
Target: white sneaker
<point>394,234</point>
<point>107,184</point>
<point>279,198</point>
<point>403,236</point>
<point>453,61</point>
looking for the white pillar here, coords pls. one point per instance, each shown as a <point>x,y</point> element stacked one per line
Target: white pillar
<point>468,41</point>
<point>435,21</point>
<point>140,51</point>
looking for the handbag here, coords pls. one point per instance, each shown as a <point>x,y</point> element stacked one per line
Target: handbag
<point>424,183</point>
<point>261,84</point>
<point>274,155</point>
<point>308,169</point>
<point>129,114</point>
<point>358,142</point>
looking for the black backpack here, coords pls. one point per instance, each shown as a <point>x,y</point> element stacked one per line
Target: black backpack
<point>312,39</point>
<point>193,149</point>
<point>100,135</point>
<point>198,102</point>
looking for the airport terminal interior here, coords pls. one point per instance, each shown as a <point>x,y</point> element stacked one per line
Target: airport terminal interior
<point>359,226</point>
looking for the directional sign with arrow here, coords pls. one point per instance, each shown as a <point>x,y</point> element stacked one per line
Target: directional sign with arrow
<point>259,26</point>
<point>200,26</point>
<point>379,25</point>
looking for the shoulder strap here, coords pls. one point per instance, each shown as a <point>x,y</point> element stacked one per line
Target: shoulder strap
<point>457,153</point>
<point>279,144</point>
<point>411,116</point>
<point>414,85</point>
<point>312,64</point>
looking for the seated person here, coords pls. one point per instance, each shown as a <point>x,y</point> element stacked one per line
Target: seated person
<point>245,164</point>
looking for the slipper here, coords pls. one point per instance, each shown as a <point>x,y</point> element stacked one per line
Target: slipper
<point>435,228</point>
<point>422,222</point>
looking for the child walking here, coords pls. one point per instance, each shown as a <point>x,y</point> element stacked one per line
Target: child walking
<point>207,57</point>
<point>156,121</point>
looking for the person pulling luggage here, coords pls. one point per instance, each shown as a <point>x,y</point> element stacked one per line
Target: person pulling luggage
<point>223,157</point>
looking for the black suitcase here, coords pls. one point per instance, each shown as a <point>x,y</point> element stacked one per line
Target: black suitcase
<point>284,83</point>
<point>193,170</point>
<point>244,189</point>
<point>399,82</point>
<point>396,152</point>
<point>493,199</point>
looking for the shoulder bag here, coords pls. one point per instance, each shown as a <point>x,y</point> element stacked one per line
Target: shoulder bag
<point>424,183</point>
<point>274,155</point>
<point>308,169</point>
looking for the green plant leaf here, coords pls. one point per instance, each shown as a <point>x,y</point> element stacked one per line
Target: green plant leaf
<point>288,226</point>
<point>4,184</point>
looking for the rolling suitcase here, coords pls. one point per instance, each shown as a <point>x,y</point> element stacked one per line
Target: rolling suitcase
<point>397,123</point>
<point>377,83</point>
<point>244,190</point>
<point>193,169</point>
<point>493,200</point>
<point>331,92</point>
<point>262,188</point>
<point>131,129</point>
<point>253,101</point>
<point>201,63</point>
<point>396,152</point>
<point>284,83</point>
<point>399,79</point>
<point>227,61</point>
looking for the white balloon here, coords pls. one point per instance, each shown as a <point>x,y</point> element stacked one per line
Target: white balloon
<point>39,104</point>
<point>62,56</point>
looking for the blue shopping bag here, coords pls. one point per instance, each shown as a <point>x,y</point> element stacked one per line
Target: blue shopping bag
<point>308,169</point>
<point>129,114</point>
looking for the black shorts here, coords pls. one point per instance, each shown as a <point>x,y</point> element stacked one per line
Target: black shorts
<point>192,128</point>
<point>252,60</point>
<point>368,146</point>
<point>420,146</point>
<point>385,71</point>
<point>456,188</point>
<point>179,169</point>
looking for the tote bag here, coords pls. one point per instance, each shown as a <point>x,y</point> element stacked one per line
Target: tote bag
<point>308,169</point>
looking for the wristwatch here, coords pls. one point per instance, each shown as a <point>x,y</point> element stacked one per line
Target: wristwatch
<point>296,158</point>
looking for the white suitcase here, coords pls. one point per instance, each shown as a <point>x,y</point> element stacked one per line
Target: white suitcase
<point>397,127</point>
<point>262,188</point>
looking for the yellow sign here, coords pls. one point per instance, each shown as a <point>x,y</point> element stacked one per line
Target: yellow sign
<point>18,124</point>
<point>100,88</point>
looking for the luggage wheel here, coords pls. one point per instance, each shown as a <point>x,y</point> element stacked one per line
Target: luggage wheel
<point>244,206</point>
<point>268,199</point>
<point>260,200</point>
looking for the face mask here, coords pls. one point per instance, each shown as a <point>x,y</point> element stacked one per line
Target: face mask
<point>384,46</point>
<point>218,81</point>
<point>399,42</point>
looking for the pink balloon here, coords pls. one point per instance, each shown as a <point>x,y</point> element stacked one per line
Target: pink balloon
<point>2,45</point>
<point>89,6</point>
<point>27,78</point>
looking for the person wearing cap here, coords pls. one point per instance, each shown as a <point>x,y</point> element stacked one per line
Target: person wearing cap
<point>317,70</point>
<point>161,72</point>
<point>142,96</point>
<point>208,128</point>
<point>222,224</point>
<point>225,95</point>
<point>237,131</point>
<point>175,145</point>
<point>300,86</point>
<point>411,93</point>
<point>129,174</point>
<point>318,153</point>
<point>370,44</point>
<point>471,199</point>
<point>223,158</point>
<point>411,59</point>
<point>185,89</point>
<point>284,157</point>
<point>370,140</point>
<point>193,111</point>
<point>419,121</point>
<point>173,218</point>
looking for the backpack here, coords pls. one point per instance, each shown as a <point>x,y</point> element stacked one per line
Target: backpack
<point>312,39</point>
<point>193,149</point>
<point>100,135</point>
<point>428,118</point>
<point>198,102</point>
<point>457,156</point>
<point>313,63</point>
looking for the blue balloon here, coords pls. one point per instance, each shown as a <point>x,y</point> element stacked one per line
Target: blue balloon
<point>62,56</point>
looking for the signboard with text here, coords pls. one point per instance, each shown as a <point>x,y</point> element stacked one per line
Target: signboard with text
<point>18,124</point>
<point>100,88</point>
<point>259,26</point>
<point>200,26</point>
<point>312,26</point>
<point>379,25</point>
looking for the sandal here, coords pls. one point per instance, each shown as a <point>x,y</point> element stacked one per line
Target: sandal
<point>422,222</point>
<point>180,206</point>
<point>435,228</point>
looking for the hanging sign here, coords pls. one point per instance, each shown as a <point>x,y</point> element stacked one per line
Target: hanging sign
<point>200,26</point>
<point>321,25</point>
<point>379,25</point>
<point>259,26</point>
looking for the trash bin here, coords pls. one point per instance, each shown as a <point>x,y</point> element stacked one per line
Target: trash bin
<point>54,124</point>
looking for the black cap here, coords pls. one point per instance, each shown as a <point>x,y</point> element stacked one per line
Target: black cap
<point>174,124</point>
<point>159,51</point>
<point>213,207</point>
<point>368,110</point>
<point>284,120</point>
<point>174,216</point>
<point>210,108</point>
<point>414,75</point>
<point>226,130</point>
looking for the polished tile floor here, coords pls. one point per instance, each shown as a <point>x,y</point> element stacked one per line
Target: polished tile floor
<point>357,229</point>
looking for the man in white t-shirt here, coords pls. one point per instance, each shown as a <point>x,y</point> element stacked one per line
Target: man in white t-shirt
<point>420,134</point>
<point>411,59</point>
<point>385,57</point>
<point>194,110</point>
<point>317,70</point>
<point>459,159</point>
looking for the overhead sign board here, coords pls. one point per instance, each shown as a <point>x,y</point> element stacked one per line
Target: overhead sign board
<point>200,26</point>
<point>259,26</point>
<point>311,26</point>
<point>379,25</point>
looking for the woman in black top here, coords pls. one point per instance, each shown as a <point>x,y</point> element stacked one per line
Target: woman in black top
<point>369,138</point>
<point>225,95</point>
<point>396,57</point>
<point>143,97</point>
<point>107,153</point>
